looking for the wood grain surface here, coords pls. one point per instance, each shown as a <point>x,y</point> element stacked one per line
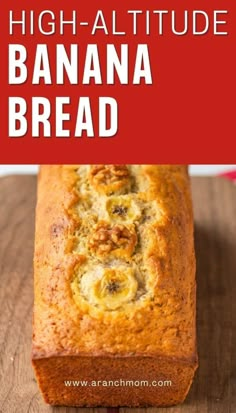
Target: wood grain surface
<point>214,387</point>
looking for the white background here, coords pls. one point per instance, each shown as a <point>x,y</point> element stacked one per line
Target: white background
<point>194,169</point>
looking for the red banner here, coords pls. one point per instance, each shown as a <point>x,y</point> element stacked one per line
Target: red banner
<point>111,82</point>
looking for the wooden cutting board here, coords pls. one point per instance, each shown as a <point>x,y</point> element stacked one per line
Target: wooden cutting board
<point>214,387</point>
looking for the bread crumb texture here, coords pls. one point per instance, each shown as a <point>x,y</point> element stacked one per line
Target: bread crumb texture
<point>114,261</point>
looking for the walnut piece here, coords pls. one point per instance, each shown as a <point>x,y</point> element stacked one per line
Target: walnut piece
<point>110,178</point>
<point>118,239</point>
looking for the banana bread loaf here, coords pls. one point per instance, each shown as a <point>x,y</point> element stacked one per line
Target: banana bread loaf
<point>114,285</point>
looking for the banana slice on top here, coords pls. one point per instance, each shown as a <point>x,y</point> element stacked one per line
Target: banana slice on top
<point>109,288</point>
<point>122,208</point>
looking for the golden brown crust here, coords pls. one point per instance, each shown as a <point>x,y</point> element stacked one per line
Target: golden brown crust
<point>157,381</point>
<point>114,252</point>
